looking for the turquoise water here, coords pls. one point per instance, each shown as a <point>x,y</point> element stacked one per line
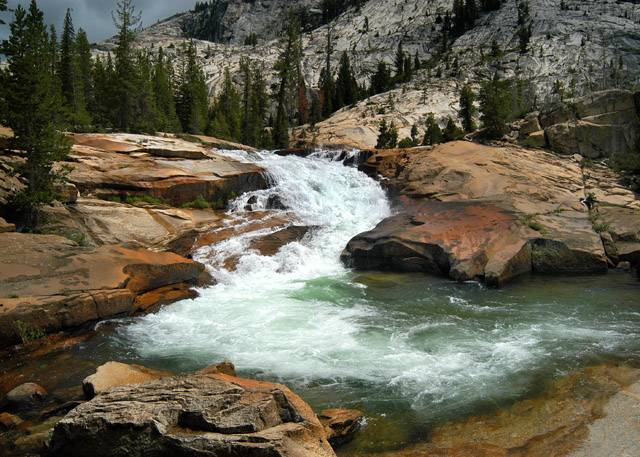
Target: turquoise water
<point>409,350</point>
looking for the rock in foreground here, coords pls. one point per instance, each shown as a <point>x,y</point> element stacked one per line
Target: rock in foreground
<point>198,415</point>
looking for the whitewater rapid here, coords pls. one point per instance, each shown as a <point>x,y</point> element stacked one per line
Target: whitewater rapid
<point>376,339</point>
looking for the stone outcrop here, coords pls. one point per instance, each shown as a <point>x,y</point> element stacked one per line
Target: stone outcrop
<point>114,374</point>
<point>168,169</point>
<point>470,211</point>
<point>6,226</point>
<point>49,283</point>
<point>600,125</point>
<point>196,415</point>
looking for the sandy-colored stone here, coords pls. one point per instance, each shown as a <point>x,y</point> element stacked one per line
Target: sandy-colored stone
<point>6,226</point>
<point>487,212</point>
<point>24,396</point>
<point>212,414</point>
<point>169,169</point>
<point>49,283</point>
<point>114,374</point>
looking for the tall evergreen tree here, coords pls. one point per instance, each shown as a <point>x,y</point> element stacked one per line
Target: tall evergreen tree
<point>399,63</point>
<point>524,26</point>
<point>144,110</point>
<point>346,85</point>
<point>433,132</point>
<point>193,96</point>
<point>327,83</point>
<point>67,63</point>
<point>32,106</point>
<point>126,20</point>
<point>166,116</point>
<point>467,109</point>
<point>84,68</point>
<point>288,67</point>
<point>495,106</point>
<point>381,79</point>
<point>225,114</point>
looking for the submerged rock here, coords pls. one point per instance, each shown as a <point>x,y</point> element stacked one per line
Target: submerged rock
<point>341,424</point>
<point>24,397</point>
<point>196,415</point>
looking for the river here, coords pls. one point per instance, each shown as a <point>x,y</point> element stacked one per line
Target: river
<point>409,350</point>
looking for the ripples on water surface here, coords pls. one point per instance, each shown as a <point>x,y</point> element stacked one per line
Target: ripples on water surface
<point>408,349</point>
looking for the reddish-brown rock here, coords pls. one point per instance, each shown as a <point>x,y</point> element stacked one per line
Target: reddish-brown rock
<point>48,283</point>
<point>482,212</point>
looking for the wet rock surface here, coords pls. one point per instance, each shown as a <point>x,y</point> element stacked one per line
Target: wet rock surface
<point>552,424</point>
<point>341,424</point>
<point>470,211</point>
<point>196,415</point>
<point>49,283</point>
<point>114,374</point>
<point>173,170</point>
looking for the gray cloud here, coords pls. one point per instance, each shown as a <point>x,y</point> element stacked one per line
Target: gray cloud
<point>95,15</point>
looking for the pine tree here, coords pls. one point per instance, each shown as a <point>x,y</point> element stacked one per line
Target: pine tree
<point>259,107</point>
<point>346,85</point>
<point>451,131</point>
<point>381,79</point>
<point>388,136</point>
<point>104,104</point>
<point>327,83</point>
<point>433,133</point>
<point>145,111</point>
<point>33,106</point>
<point>524,26</point>
<point>247,115</point>
<point>192,103</point>
<point>399,63</point>
<point>126,20</point>
<point>67,63</point>
<point>84,68</point>
<point>467,109</point>
<point>495,106</point>
<point>166,116</point>
<point>288,68</point>
<point>226,112</point>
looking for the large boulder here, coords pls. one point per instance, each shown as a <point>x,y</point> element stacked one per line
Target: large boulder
<point>168,169</point>
<point>487,212</point>
<point>462,240</point>
<point>189,416</point>
<point>49,283</point>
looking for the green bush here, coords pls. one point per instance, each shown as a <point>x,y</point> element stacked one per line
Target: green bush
<point>198,203</point>
<point>28,332</point>
<point>135,199</point>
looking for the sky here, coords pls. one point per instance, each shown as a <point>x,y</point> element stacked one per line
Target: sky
<point>95,15</point>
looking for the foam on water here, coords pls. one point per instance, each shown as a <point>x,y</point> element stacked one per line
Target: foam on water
<point>300,316</point>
